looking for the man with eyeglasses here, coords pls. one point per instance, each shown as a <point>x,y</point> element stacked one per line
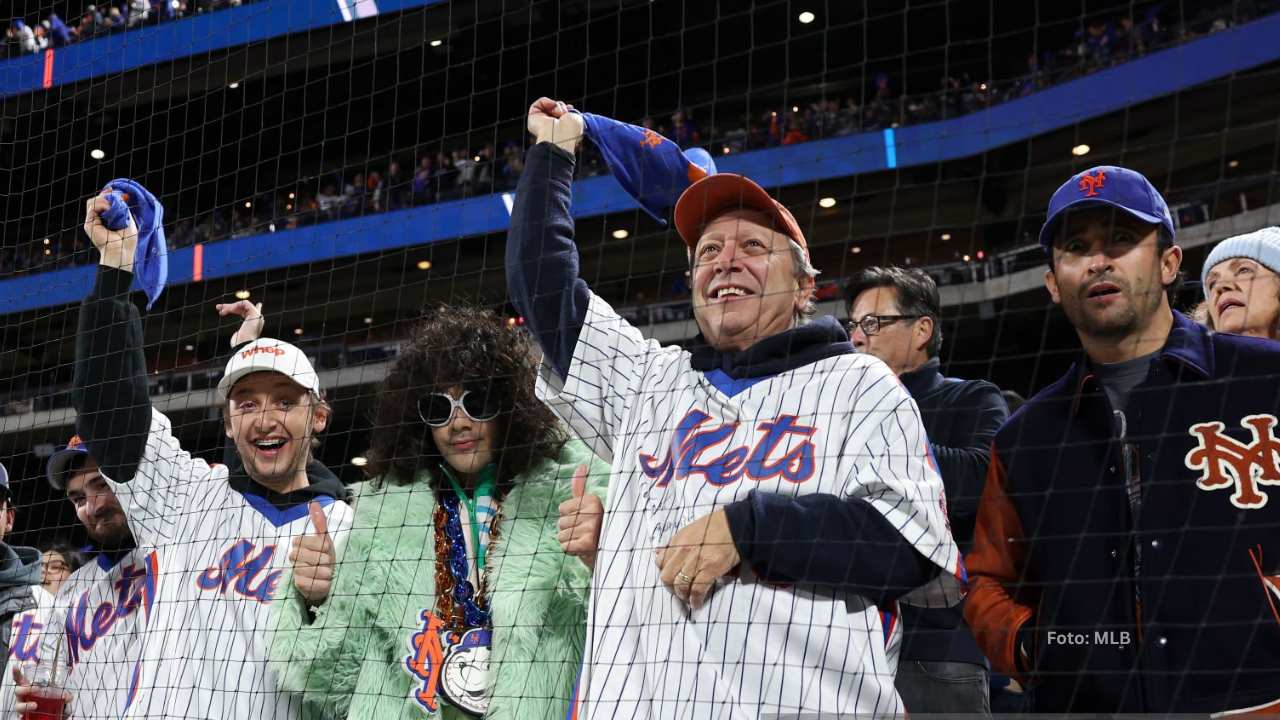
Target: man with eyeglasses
<point>1126,557</point>
<point>894,315</point>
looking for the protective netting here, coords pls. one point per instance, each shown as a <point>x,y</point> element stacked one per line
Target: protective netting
<point>359,180</point>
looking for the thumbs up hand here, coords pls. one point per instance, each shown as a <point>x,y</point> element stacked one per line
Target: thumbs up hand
<point>313,559</point>
<point>580,520</point>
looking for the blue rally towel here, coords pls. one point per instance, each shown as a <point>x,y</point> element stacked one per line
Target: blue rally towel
<point>650,167</point>
<point>151,262</point>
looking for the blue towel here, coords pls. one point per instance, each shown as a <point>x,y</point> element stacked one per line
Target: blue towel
<point>651,168</point>
<point>151,261</point>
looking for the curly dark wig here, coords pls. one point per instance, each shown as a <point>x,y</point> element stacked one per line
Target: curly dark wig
<point>458,345</point>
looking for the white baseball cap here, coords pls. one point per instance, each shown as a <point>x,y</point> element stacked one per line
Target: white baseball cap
<point>267,354</point>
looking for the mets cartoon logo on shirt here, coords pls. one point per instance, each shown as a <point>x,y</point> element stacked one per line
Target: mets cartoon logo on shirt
<point>1225,462</point>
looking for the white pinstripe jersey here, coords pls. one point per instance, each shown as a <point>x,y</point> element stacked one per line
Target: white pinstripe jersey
<point>100,618</point>
<point>26,632</point>
<point>205,654</point>
<point>679,449</point>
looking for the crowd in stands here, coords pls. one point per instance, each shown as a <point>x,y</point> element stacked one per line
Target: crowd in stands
<point>418,178</point>
<point>52,31</point>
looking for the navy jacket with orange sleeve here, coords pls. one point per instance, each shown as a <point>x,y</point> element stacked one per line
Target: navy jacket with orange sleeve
<point>1174,606</point>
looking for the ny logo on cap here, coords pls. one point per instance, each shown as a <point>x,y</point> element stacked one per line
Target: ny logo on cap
<point>1089,184</point>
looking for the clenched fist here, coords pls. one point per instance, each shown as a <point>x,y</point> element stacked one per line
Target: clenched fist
<point>553,121</point>
<point>116,248</point>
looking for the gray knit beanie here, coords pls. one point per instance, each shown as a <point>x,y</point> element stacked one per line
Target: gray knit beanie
<point>1262,246</point>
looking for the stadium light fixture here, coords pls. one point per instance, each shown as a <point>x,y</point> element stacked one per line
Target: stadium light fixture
<point>424,264</point>
<point>437,43</point>
<point>1080,150</point>
<point>368,321</point>
<point>1233,164</point>
<point>188,348</point>
<point>359,461</point>
<point>726,150</point>
<point>97,154</point>
<point>827,202</point>
<point>966,258</point>
<point>855,249</point>
<point>248,203</point>
<point>946,237</point>
<point>242,294</point>
<point>46,241</point>
<point>233,85</point>
<point>297,331</point>
<point>620,234</point>
<point>292,196</point>
<point>807,17</point>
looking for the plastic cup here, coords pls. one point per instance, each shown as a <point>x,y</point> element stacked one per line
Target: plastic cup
<point>51,703</point>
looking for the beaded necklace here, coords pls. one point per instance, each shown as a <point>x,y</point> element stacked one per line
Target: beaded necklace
<point>459,603</point>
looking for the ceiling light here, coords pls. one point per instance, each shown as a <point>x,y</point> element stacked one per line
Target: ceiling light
<point>476,158</point>
<point>248,204</point>
<point>437,43</point>
<point>242,294</point>
<point>807,17</point>
<point>188,348</point>
<point>620,234</point>
<point>855,249</point>
<point>827,202</point>
<point>368,321</point>
<point>289,206</point>
<point>795,108</point>
<point>1080,149</point>
<point>297,331</point>
<point>234,85</point>
<point>424,264</point>
<point>47,251</point>
<point>946,237</point>
<point>726,150</point>
<point>46,241</point>
<point>511,322</point>
<point>359,461</point>
<point>97,154</point>
<point>291,196</point>
<point>965,258</point>
<point>1233,164</point>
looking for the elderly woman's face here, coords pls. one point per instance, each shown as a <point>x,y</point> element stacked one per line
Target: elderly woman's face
<point>1243,297</point>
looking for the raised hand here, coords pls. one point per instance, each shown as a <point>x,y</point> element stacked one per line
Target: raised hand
<point>251,328</point>
<point>553,121</point>
<point>580,519</point>
<point>313,559</point>
<point>116,248</point>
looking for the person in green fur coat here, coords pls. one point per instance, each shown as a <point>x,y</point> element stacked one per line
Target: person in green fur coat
<point>458,436</point>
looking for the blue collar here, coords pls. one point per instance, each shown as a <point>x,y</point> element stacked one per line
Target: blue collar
<point>788,350</point>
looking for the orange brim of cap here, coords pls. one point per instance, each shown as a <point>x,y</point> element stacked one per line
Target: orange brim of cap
<point>717,194</point>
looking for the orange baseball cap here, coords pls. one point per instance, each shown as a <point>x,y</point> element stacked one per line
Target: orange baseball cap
<point>717,194</point>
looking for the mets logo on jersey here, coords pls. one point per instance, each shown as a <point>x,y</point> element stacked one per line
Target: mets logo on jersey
<point>426,654</point>
<point>244,569</point>
<point>135,590</point>
<point>1225,462</point>
<point>694,438</point>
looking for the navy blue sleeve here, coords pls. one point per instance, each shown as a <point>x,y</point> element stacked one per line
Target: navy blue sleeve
<point>963,462</point>
<point>110,393</point>
<point>542,261</point>
<point>826,540</point>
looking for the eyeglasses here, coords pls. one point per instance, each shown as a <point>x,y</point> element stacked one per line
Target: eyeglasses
<point>57,566</point>
<point>872,324</point>
<point>437,409</point>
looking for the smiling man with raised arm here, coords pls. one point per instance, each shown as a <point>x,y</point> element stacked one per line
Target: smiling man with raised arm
<point>222,534</point>
<point>772,495</point>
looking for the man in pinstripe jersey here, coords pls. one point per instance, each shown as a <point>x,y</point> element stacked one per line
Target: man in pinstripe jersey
<point>772,494</point>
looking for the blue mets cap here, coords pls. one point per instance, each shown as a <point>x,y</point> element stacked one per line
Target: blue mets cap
<point>56,469</point>
<point>1107,185</point>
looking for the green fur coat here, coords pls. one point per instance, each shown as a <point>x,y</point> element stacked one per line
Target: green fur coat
<point>350,662</point>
